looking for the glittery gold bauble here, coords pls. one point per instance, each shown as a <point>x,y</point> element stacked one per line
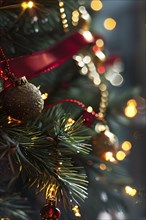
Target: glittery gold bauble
<point>23,100</point>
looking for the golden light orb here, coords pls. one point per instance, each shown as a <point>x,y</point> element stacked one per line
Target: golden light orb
<point>108,155</point>
<point>120,155</point>
<point>96,5</point>
<point>132,102</point>
<point>126,145</point>
<point>26,5</point>
<point>109,24</point>
<point>130,111</point>
<point>100,43</point>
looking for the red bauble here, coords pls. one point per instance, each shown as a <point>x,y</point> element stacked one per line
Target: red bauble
<point>89,118</point>
<point>50,212</point>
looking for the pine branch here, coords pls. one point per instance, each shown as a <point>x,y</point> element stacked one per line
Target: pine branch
<point>43,149</point>
<point>14,207</point>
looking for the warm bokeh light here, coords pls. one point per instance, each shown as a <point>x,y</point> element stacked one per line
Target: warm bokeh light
<point>26,5</point>
<point>100,55</point>
<point>13,120</point>
<point>101,69</point>
<point>100,127</point>
<point>75,13</point>
<point>132,102</point>
<point>126,145</point>
<point>64,21</point>
<point>102,166</point>
<point>44,96</point>
<point>112,160</point>
<point>87,59</point>
<point>95,48</point>
<point>109,24</point>
<point>108,155</point>
<point>63,15</point>
<point>87,35</point>
<point>61,10</point>
<point>102,87</point>
<point>130,191</point>
<point>100,114</point>
<point>89,109</point>
<point>61,4</point>
<point>75,19</point>
<point>100,43</point>
<point>120,155</point>
<point>130,111</point>
<point>76,211</point>
<point>70,121</point>
<point>96,5</point>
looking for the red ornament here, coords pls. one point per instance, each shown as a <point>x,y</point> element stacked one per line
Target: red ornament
<point>50,212</point>
<point>89,118</point>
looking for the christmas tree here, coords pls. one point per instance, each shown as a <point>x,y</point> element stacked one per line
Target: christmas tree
<point>58,146</point>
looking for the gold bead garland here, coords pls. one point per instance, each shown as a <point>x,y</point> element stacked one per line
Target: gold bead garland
<point>63,16</point>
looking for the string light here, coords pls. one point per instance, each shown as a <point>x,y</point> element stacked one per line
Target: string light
<point>69,123</point>
<point>130,191</point>
<point>76,211</point>
<point>109,24</point>
<point>13,120</point>
<point>44,96</point>
<point>26,5</point>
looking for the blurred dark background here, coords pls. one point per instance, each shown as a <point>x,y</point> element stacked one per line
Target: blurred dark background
<point>128,40</point>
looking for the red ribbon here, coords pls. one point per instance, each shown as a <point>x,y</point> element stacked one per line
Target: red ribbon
<point>43,61</point>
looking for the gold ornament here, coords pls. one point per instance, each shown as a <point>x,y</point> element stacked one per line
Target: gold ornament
<point>23,100</point>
